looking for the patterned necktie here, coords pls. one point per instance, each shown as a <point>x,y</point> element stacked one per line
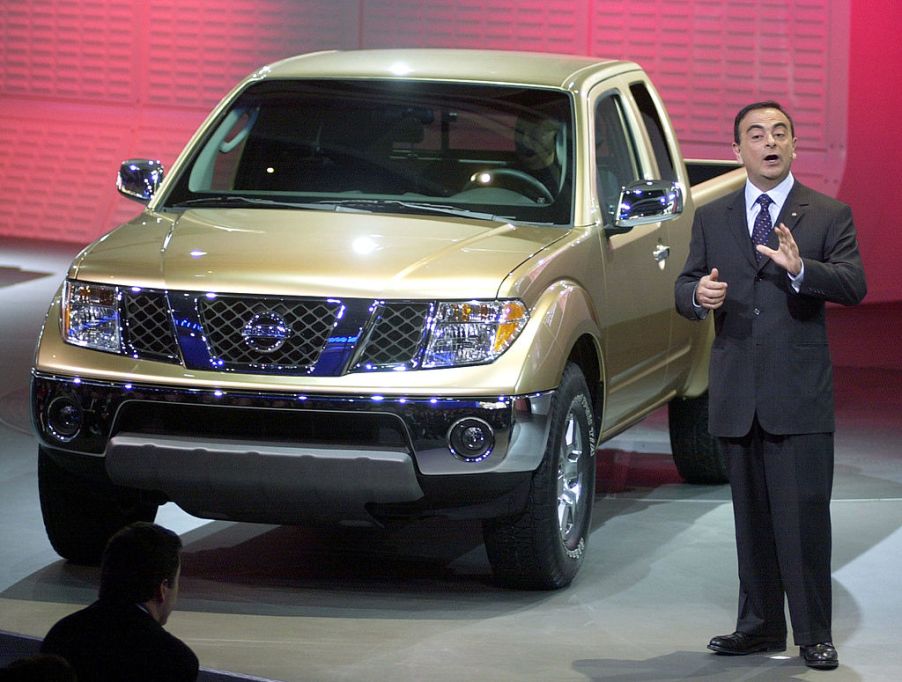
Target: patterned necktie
<point>763,225</point>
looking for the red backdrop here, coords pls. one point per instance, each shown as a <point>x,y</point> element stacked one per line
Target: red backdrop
<point>874,160</point>
<point>87,83</point>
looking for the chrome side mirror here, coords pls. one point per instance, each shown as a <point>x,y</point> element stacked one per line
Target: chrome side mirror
<point>139,179</point>
<point>647,201</point>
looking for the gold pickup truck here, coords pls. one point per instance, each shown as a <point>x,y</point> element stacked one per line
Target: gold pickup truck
<point>383,285</point>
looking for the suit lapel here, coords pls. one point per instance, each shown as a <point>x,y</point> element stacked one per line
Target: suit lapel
<point>793,209</point>
<point>738,225</point>
<point>791,214</point>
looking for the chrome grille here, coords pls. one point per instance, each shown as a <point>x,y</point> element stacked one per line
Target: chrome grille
<point>309,321</point>
<point>396,337</point>
<point>148,327</point>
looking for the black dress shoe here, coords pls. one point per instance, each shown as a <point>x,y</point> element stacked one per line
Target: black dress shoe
<point>821,656</point>
<point>740,644</point>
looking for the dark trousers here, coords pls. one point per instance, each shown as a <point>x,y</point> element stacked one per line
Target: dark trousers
<point>781,489</point>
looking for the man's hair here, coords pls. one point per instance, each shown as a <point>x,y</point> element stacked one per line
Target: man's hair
<point>767,104</point>
<point>38,668</point>
<point>136,560</point>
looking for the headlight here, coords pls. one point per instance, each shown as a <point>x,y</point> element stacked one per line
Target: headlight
<point>91,316</point>
<point>473,332</point>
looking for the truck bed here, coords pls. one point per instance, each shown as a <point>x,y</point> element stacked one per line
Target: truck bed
<point>710,179</point>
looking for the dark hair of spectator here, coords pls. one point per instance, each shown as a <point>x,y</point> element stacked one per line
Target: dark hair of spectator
<point>768,104</point>
<point>38,668</point>
<point>136,560</point>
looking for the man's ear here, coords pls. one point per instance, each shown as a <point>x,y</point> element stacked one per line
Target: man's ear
<point>737,152</point>
<point>160,592</point>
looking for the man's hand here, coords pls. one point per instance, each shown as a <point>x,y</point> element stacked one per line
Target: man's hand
<point>787,253</point>
<point>710,293</point>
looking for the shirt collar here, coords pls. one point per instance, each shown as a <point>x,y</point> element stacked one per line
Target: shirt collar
<point>778,194</point>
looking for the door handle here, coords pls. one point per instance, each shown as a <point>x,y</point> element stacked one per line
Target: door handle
<point>661,253</point>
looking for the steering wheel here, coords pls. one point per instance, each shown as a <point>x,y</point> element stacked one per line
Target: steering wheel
<point>513,179</point>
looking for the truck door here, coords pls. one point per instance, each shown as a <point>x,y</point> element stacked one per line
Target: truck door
<point>638,292</point>
<point>683,333</point>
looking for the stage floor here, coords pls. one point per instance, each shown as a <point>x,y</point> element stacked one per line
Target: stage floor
<point>418,603</point>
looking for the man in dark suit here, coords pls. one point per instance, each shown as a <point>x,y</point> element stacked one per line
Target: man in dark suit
<point>121,635</point>
<point>765,267</point>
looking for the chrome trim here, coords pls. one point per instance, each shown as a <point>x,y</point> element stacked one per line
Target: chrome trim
<point>648,201</point>
<point>262,336</point>
<point>366,333</point>
<point>461,456</point>
<point>266,332</point>
<point>520,423</point>
<point>378,308</point>
<point>63,438</point>
<point>139,179</point>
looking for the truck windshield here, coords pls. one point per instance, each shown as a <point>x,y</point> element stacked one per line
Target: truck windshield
<point>503,152</point>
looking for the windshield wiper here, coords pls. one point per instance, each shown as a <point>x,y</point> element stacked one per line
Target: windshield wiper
<point>238,200</point>
<point>342,205</point>
<point>388,204</point>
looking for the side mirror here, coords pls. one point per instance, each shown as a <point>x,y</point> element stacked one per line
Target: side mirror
<point>139,179</point>
<point>647,201</point>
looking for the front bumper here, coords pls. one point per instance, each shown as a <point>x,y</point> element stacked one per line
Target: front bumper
<point>281,457</point>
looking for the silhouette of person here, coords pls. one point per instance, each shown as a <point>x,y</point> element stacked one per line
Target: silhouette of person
<point>120,636</point>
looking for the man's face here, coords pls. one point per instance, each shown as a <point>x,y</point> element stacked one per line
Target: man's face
<point>535,142</point>
<point>766,147</point>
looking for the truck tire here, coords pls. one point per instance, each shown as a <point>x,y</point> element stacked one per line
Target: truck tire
<point>696,453</point>
<point>543,547</point>
<point>80,518</point>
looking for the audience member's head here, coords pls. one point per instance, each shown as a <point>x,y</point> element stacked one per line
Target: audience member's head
<point>141,565</point>
<point>38,668</point>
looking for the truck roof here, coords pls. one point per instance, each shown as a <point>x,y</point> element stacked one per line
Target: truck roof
<point>475,66</point>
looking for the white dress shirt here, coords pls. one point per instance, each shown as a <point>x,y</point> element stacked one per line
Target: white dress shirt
<point>777,197</point>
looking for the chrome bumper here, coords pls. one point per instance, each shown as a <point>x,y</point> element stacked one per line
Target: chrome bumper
<point>213,466</point>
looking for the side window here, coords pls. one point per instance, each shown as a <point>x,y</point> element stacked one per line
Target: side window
<point>655,130</point>
<point>615,154</point>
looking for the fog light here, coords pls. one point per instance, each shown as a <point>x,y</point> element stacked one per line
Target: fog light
<point>64,418</point>
<point>471,439</point>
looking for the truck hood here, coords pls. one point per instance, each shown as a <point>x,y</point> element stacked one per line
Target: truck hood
<point>309,253</point>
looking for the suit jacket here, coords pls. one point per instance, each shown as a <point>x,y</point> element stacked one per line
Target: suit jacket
<point>109,642</point>
<point>770,354</point>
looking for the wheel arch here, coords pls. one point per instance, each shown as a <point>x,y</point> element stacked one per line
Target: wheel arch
<point>586,355</point>
<point>566,330</point>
